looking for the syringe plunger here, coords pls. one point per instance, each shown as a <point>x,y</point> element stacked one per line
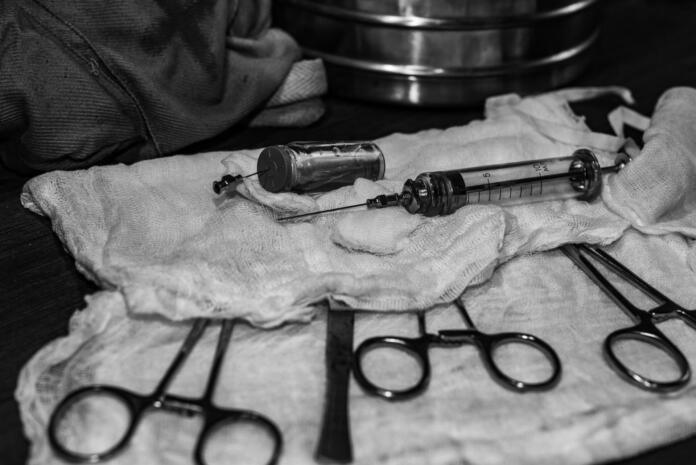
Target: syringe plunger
<point>443,192</point>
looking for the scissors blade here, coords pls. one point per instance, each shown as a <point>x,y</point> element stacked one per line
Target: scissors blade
<point>335,443</point>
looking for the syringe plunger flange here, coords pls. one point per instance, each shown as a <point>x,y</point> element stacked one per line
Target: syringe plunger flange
<point>587,178</point>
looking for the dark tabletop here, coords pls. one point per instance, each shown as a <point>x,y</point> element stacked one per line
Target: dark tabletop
<point>646,45</point>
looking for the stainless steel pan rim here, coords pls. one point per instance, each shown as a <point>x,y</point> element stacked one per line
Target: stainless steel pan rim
<point>479,48</point>
<point>435,72</point>
<point>452,91</point>
<point>456,23</point>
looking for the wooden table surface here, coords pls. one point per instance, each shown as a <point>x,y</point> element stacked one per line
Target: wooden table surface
<point>646,45</point>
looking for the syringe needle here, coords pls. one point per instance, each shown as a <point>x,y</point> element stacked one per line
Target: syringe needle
<point>258,172</point>
<point>381,201</point>
<point>322,211</point>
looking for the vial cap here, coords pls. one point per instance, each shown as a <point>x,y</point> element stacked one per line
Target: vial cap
<point>275,168</point>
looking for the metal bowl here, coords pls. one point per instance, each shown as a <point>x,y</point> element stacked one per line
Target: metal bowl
<point>458,10</point>
<point>443,52</point>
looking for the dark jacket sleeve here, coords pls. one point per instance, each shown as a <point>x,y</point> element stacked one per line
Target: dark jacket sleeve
<point>85,81</point>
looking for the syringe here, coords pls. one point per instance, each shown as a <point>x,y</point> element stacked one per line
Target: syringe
<point>443,192</point>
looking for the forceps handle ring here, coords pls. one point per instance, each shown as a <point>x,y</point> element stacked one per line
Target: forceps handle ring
<point>134,403</point>
<point>217,418</point>
<point>488,343</point>
<point>417,347</point>
<point>647,333</point>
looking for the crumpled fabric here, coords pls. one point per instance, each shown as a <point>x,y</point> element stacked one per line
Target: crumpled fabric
<point>168,249</point>
<point>657,193</point>
<point>84,82</point>
<point>591,416</point>
<point>297,102</point>
<point>156,232</point>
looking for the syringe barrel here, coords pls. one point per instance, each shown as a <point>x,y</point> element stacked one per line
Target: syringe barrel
<point>443,192</point>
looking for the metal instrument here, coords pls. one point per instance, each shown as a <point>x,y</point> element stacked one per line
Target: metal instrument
<point>443,192</point>
<point>136,405</point>
<point>486,344</point>
<point>312,166</point>
<point>335,444</point>
<point>318,166</point>
<point>229,180</point>
<point>645,330</point>
<point>443,52</point>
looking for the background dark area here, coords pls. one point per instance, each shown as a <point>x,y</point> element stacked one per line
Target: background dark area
<point>646,45</point>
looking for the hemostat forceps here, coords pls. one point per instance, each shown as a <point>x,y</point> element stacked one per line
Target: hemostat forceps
<point>486,343</point>
<point>645,329</point>
<point>137,404</point>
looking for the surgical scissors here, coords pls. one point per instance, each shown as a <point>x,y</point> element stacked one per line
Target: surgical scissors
<point>645,329</point>
<point>137,404</point>
<point>486,344</point>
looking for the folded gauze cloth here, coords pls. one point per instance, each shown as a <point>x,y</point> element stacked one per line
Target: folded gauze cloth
<point>591,416</point>
<point>157,233</point>
<point>162,243</point>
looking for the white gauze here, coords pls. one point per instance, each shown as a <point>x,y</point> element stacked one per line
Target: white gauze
<point>156,232</point>
<point>591,416</point>
<point>656,191</point>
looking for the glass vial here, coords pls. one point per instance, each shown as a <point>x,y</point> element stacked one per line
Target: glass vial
<point>318,166</point>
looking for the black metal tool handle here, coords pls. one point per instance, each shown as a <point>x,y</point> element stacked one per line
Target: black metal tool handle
<point>488,343</point>
<point>416,347</point>
<point>217,417</point>
<point>335,444</point>
<point>646,332</point>
<point>134,404</point>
